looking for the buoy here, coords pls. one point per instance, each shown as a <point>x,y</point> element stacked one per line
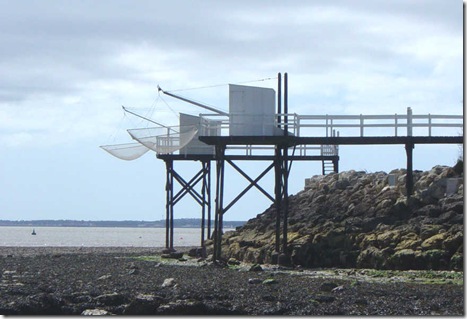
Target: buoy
<point>33,232</point>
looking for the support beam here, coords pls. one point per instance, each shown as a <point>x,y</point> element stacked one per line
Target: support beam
<point>203,198</point>
<point>409,178</point>
<point>252,183</point>
<point>168,203</point>
<point>278,196</point>
<point>218,220</point>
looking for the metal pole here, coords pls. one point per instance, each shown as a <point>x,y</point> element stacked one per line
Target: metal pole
<point>203,207</point>
<point>209,198</point>
<point>409,178</point>
<point>168,191</point>
<point>171,208</point>
<point>220,149</point>
<point>278,196</point>
<point>285,172</point>
<point>277,168</point>
<point>279,99</point>
<point>286,108</point>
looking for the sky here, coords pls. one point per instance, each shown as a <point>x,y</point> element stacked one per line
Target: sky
<point>67,67</point>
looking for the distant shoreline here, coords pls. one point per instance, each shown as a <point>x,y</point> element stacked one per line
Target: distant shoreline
<point>178,223</point>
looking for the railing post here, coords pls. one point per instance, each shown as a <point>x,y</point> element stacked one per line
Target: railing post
<point>395,124</point>
<point>361,125</point>
<point>429,124</point>
<point>409,122</point>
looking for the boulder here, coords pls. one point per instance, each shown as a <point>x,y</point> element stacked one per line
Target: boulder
<point>169,282</point>
<point>113,299</point>
<point>143,304</point>
<point>95,312</point>
<point>355,219</point>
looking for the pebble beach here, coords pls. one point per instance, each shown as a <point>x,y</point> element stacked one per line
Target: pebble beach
<point>139,281</point>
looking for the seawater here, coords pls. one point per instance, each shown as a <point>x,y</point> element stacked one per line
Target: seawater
<point>96,237</point>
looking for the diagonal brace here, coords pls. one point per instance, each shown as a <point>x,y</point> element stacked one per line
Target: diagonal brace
<point>252,183</point>
<point>189,187</point>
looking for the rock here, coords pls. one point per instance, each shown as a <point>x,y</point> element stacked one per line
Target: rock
<point>173,255</point>
<point>183,307</point>
<point>143,305</point>
<point>197,252</point>
<point>254,281</point>
<point>113,299</point>
<point>133,272</point>
<point>371,258</point>
<point>105,277</point>
<point>354,219</point>
<point>338,289</point>
<point>233,261</point>
<point>328,286</point>
<point>284,260</point>
<point>436,259</point>
<point>270,281</point>
<point>457,261</point>
<point>256,267</point>
<point>169,282</point>
<point>95,312</point>
<point>434,242</point>
<point>133,266</point>
<point>452,243</point>
<point>407,259</point>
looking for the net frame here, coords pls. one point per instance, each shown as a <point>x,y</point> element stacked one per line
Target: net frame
<point>164,140</point>
<point>126,151</point>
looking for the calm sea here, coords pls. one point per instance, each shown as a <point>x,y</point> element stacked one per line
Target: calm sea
<point>96,237</point>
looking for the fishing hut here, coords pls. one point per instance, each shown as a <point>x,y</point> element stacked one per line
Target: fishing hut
<point>259,127</point>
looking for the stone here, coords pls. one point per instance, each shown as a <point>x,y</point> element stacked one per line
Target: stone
<point>182,307</point>
<point>254,281</point>
<point>256,267</point>
<point>453,242</point>
<point>133,272</point>
<point>338,289</point>
<point>359,222</point>
<point>104,277</point>
<point>233,261</point>
<point>434,242</point>
<point>284,260</point>
<point>173,255</point>
<point>328,286</point>
<point>113,299</point>
<point>197,252</point>
<point>133,266</point>
<point>169,282</point>
<point>407,259</point>
<point>95,312</point>
<point>270,281</point>
<point>143,304</point>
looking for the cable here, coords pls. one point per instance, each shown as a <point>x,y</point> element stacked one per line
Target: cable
<point>224,84</point>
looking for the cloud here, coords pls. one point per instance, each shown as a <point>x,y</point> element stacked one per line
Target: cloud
<point>78,63</point>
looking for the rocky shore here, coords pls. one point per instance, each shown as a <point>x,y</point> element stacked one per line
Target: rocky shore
<point>365,220</point>
<point>139,281</point>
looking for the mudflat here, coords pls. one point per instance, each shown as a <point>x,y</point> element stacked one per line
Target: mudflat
<point>138,281</point>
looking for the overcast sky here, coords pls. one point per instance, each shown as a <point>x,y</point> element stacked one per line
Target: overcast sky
<point>68,66</point>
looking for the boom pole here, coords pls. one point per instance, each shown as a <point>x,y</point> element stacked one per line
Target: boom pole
<point>210,108</point>
<point>145,118</point>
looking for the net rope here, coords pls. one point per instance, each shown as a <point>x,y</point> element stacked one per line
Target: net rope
<point>127,151</point>
<point>164,140</point>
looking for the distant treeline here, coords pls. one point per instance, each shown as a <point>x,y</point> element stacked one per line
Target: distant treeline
<point>178,223</point>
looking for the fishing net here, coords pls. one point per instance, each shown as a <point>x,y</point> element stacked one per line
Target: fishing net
<point>127,151</point>
<point>164,140</point>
